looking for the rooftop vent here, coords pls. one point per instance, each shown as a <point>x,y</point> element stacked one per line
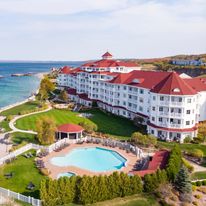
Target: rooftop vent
<point>137,81</point>
<point>176,90</point>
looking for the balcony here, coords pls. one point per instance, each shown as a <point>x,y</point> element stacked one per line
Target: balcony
<point>170,125</point>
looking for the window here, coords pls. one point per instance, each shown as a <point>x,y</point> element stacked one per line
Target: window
<point>154,98</point>
<point>161,109</point>
<point>141,100</point>
<point>180,99</point>
<point>125,88</point>
<point>152,131</point>
<point>187,122</point>
<point>153,119</point>
<point>188,112</point>
<point>160,119</point>
<point>189,100</point>
<point>153,108</point>
<point>161,98</point>
<point>141,91</point>
<point>140,108</point>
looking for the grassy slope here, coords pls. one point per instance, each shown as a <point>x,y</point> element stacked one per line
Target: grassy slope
<point>23,107</point>
<point>24,171</point>
<point>198,175</point>
<point>60,117</point>
<point>19,137</point>
<point>106,123</point>
<point>111,124</point>
<point>184,147</point>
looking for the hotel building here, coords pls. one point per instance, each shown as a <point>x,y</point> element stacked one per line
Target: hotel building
<point>171,105</point>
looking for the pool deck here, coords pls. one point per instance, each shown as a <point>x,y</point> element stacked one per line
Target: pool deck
<point>55,170</point>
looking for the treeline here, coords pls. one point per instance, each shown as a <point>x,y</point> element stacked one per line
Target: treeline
<point>152,181</point>
<point>88,190</point>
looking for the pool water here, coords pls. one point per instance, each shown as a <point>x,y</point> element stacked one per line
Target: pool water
<point>65,174</point>
<point>94,159</point>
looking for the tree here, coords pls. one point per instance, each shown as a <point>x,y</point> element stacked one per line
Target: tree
<point>187,139</point>
<point>202,130</point>
<point>88,127</point>
<point>182,181</point>
<point>46,86</point>
<point>145,140</point>
<point>63,95</point>
<point>46,129</point>
<point>198,153</point>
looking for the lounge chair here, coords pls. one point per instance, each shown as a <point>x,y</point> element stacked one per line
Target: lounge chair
<point>30,186</point>
<point>9,175</point>
<point>26,155</point>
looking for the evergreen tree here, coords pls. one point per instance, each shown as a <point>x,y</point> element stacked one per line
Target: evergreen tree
<point>149,185</point>
<point>182,181</point>
<point>136,184</point>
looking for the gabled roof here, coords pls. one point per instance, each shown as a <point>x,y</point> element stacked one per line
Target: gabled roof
<point>147,79</point>
<point>109,63</point>
<point>199,84</point>
<point>174,85</point>
<point>107,54</point>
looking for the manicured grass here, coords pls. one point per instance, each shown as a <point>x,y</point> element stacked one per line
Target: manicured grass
<point>60,117</point>
<point>25,171</point>
<point>107,123</point>
<point>28,106</point>
<point>198,175</point>
<point>114,125</point>
<point>135,200</point>
<point>184,147</point>
<point>5,124</point>
<point>19,137</point>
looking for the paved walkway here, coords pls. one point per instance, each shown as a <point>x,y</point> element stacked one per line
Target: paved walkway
<point>13,121</point>
<point>197,168</point>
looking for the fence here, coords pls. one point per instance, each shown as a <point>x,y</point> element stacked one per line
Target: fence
<point>19,151</point>
<point>8,193</point>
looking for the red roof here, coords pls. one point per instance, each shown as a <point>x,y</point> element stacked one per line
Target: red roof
<point>107,54</point>
<point>147,79</point>
<point>159,161</point>
<point>174,130</point>
<point>109,63</point>
<point>72,91</point>
<point>199,84</point>
<point>174,85</point>
<point>70,128</point>
<point>66,70</point>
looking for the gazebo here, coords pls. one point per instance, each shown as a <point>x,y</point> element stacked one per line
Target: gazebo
<point>71,131</point>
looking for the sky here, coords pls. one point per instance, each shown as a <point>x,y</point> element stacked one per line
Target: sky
<point>85,29</point>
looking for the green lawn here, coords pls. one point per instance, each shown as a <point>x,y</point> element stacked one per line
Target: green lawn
<point>19,137</point>
<point>28,106</point>
<point>198,175</point>
<point>107,123</point>
<point>24,171</point>
<point>111,124</point>
<point>60,117</point>
<point>5,124</point>
<point>135,200</point>
<point>184,147</point>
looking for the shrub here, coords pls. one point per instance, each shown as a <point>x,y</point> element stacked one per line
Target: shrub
<point>187,139</point>
<point>199,183</point>
<point>198,153</point>
<point>88,127</point>
<point>188,165</point>
<point>194,188</point>
<point>195,203</point>
<point>204,182</point>
<point>9,118</point>
<point>197,196</point>
<point>44,171</point>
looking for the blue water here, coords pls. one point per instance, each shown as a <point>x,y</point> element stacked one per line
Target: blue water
<point>65,174</point>
<point>93,159</point>
<point>15,89</point>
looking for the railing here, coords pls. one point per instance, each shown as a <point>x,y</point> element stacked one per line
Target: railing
<point>19,152</point>
<point>23,198</point>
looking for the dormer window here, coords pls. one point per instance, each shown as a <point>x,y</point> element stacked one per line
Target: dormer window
<point>176,90</point>
<point>137,81</point>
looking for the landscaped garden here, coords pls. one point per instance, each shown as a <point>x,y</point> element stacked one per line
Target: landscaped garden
<point>24,171</point>
<point>106,123</point>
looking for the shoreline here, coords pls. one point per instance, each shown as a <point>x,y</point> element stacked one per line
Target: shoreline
<point>30,98</point>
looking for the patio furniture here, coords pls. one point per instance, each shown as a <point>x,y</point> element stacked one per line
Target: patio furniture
<point>9,175</point>
<point>30,186</point>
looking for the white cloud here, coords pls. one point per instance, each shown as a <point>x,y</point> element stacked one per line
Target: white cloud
<point>55,7</point>
<point>130,28</point>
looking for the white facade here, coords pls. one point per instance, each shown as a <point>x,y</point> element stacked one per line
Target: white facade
<point>168,116</point>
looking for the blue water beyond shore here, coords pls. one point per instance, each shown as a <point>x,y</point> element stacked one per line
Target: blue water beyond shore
<point>16,89</point>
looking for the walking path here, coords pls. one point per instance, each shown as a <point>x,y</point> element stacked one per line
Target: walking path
<point>13,121</point>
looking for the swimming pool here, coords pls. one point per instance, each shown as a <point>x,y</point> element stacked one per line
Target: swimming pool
<point>65,174</point>
<point>94,159</point>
